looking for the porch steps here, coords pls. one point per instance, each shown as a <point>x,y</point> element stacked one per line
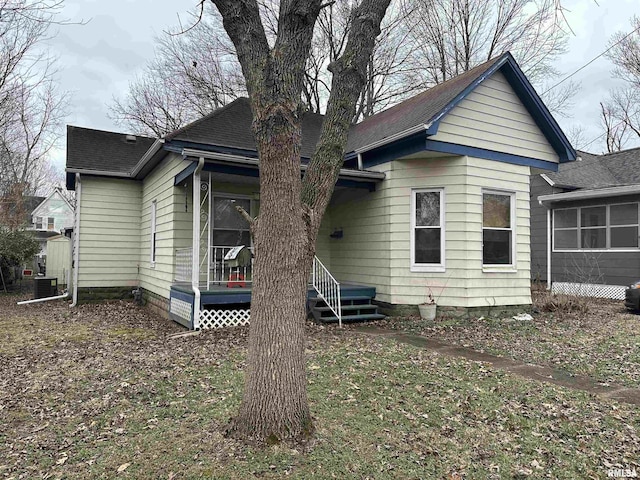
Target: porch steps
<point>355,306</point>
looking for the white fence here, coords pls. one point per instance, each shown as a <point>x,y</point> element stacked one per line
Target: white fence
<point>616,292</point>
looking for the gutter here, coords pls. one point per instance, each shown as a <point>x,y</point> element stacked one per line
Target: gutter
<point>357,175</point>
<point>393,138</point>
<point>98,172</point>
<point>588,194</point>
<point>157,145</point>
<point>76,239</point>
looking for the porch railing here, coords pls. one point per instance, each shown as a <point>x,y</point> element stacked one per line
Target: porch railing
<point>184,264</point>
<point>221,273</point>
<point>328,288</point>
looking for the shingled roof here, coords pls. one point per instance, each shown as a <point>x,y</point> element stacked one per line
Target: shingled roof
<point>418,110</point>
<point>230,126</point>
<point>600,171</point>
<point>89,149</point>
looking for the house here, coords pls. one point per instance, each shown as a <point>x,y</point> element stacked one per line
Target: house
<point>433,196</point>
<point>52,215</point>
<point>584,225</point>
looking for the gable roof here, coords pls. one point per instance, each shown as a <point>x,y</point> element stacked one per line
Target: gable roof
<point>415,111</point>
<point>214,129</point>
<point>55,191</point>
<point>102,151</point>
<point>599,171</point>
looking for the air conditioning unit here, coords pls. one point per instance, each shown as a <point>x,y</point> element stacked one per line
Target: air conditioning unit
<point>44,287</point>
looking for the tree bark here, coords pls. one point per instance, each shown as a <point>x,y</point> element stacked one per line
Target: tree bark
<point>274,404</point>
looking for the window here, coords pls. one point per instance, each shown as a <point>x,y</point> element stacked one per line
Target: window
<point>50,223</point>
<point>154,207</point>
<point>601,227</point>
<point>497,228</point>
<point>229,228</point>
<point>39,225</point>
<point>427,233</point>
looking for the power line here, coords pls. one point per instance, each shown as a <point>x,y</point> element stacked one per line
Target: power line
<point>604,133</point>
<point>592,60</point>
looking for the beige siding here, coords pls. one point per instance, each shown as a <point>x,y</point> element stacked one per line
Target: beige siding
<point>363,254</point>
<point>173,224</point>
<point>375,249</point>
<point>109,232</point>
<point>492,117</point>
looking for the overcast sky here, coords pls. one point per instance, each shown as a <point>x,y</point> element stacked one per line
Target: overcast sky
<point>97,60</point>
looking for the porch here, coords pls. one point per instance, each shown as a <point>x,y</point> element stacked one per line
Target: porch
<point>213,266</point>
<point>222,306</point>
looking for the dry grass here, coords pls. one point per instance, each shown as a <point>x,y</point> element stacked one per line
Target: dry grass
<point>90,391</point>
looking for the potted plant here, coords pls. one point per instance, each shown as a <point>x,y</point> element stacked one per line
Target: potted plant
<point>428,308</point>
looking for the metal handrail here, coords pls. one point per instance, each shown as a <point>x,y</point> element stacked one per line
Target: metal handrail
<point>327,287</point>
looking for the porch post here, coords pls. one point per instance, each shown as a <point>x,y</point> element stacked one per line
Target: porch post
<point>195,260</point>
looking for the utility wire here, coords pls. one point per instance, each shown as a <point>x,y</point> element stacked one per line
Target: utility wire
<point>592,60</point>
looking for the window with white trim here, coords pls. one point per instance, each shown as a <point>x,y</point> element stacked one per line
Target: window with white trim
<point>600,227</point>
<point>39,223</point>
<point>154,238</point>
<point>50,223</point>
<point>427,232</point>
<point>498,233</point>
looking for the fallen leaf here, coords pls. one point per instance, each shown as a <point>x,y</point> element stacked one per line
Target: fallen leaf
<point>123,467</point>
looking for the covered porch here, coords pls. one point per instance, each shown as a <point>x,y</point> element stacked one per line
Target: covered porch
<point>213,265</point>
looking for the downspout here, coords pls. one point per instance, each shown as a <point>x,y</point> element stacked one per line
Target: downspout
<point>76,239</point>
<point>195,244</point>
<point>548,244</point>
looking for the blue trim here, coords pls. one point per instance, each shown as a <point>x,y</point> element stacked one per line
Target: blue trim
<point>178,145</point>
<point>250,171</point>
<point>455,149</point>
<point>527,95</point>
<point>391,151</point>
<point>184,296</point>
<point>184,174</point>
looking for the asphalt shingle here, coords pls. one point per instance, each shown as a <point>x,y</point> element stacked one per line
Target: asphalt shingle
<point>97,150</point>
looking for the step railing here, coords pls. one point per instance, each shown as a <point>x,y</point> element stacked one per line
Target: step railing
<point>327,287</point>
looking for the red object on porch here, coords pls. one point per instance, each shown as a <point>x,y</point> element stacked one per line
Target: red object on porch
<point>236,280</point>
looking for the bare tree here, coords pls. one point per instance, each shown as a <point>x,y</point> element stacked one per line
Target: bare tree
<point>275,402</point>
<point>452,36</point>
<point>620,112</point>
<point>30,106</point>
<point>192,74</point>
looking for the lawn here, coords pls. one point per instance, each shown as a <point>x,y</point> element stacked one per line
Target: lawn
<point>593,337</point>
<point>99,392</point>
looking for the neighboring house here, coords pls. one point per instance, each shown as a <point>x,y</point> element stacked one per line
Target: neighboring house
<point>584,219</point>
<point>434,194</point>
<point>52,215</point>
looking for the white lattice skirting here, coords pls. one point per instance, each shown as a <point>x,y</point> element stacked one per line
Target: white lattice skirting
<point>224,318</point>
<point>180,308</point>
<point>615,292</point>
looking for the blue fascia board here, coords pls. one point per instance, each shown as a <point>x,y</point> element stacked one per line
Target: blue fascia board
<point>455,149</point>
<point>527,94</point>
<point>248,171</point>
<point>184,174</point>
<point>391,151</point>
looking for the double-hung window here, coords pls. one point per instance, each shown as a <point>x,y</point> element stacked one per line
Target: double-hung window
<point>154,237</point>
<point>498,233</point>
<point>39,223</point>
<point>601,227</point>
<point>50,223</point>
<point>427,230</point>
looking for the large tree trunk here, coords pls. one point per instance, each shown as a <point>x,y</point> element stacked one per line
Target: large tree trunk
<point>274,404</point>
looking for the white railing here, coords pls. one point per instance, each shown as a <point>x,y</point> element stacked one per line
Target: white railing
<point>220,273</point>
<point>327,286</point>
<point>184,264</point>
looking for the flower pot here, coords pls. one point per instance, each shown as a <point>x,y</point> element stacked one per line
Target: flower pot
<point>427,311</point>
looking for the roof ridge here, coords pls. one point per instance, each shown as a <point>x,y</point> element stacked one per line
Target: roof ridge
<point>619,152</point>
<point>108,131</point>
<point>198,121</point>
